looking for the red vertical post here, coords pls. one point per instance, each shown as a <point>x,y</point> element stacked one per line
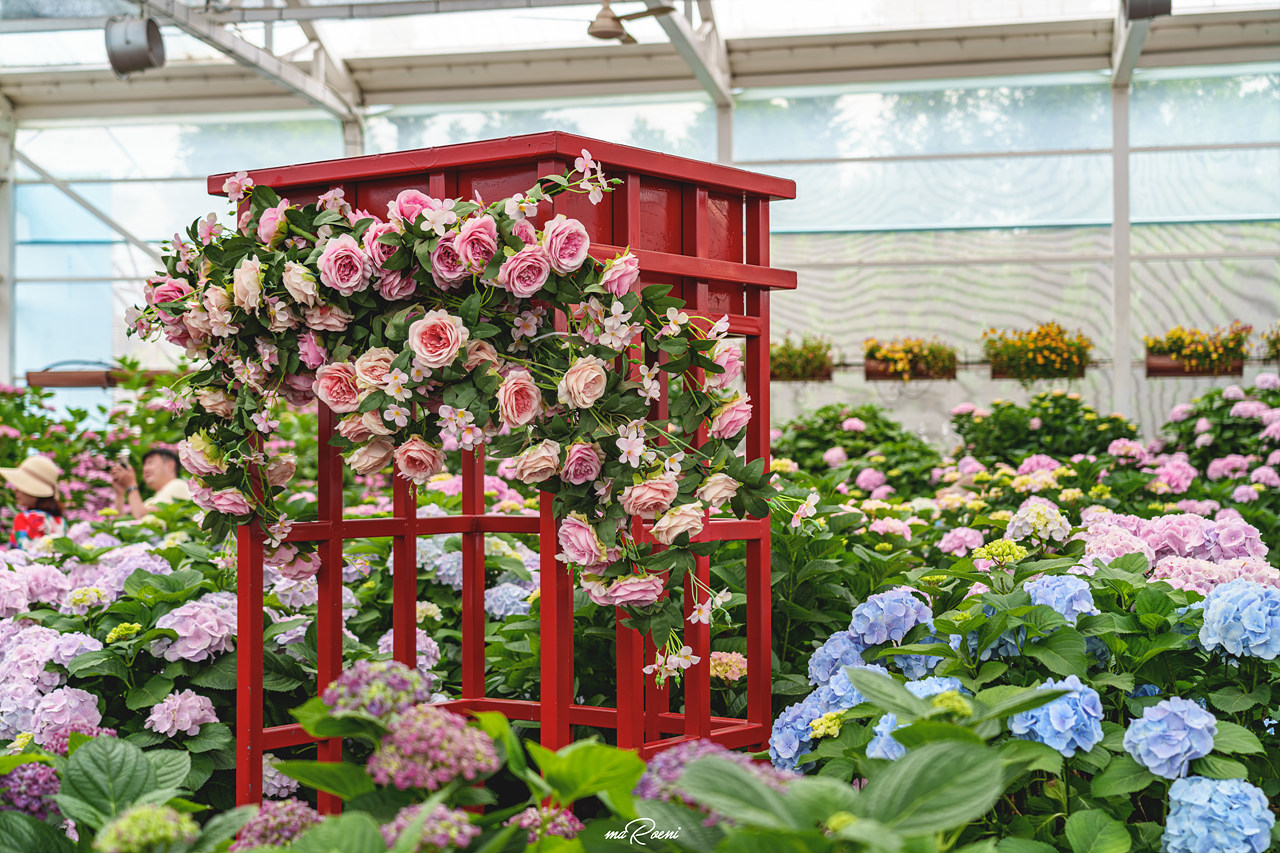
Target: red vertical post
<point>329,580</point>
<point>404,580</point>
<point>249,665</point>
<point>556,601</point>
<point>473,616</point>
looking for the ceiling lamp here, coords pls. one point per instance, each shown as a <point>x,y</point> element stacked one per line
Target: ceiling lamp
<point>1136,10</point>
<point>608,24</point>
<point>134,44</point>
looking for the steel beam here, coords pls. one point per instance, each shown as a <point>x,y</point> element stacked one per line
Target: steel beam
<point>1121,252</point>
<point>704,51</point>
<point>199,26</point>
<point>8,133</point>
<point>385,9</point>
<point>1127,47</point>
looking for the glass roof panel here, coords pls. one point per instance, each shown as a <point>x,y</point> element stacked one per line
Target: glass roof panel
<point>12,10</point>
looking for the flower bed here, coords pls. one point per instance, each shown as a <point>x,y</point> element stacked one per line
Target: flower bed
<point>1191,352</point>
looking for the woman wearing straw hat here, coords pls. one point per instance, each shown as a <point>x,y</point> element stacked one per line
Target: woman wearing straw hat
<point>35,486</point>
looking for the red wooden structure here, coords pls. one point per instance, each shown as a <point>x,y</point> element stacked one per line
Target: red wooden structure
<point>701,227</point>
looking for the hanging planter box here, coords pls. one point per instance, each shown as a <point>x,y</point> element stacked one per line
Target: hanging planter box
<point>1002,372</point>
<point>823,375</point>
<point>877,370</point>
<point>1164,366</point>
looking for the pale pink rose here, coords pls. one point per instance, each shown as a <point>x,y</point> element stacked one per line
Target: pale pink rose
<point>729,357</point>
<point>582,463</point>
<point>216,401</point>
<point>621,274</point>
<point>579,543</point>
<point>231,502</point>
<point>327,318</point>
<point>437,338</point>
<point>524,273</point>
<point>566,243</point>
<point>447,268</point>
<point>397,285</point>
<point>281,469</point>
<point>281,556</point>
<point>309,350</point>
<point>246,284</point>
<point>477,242</point>
<point>302,567</point>
<point>583,383</point>
<point>353,428</point>
<point>344,266</point>
<point>272,225</point>
<point>519,399</point>
<point>524,231</point>
<point>300,283</point>
<point>197,462</point>
<point>636,590</point>
<point>375,424</point>
<point>538,462</point>
<point>379,253</point>
<point>372,457</point>
<point>373,366</point>
<point>648,498</point>
<point>480,352</point>
<point>281,316</point>
<point>732,417</point>
<point>686,518</point>
<point>718,489</point>
<point>408,206</point>
<point>418,461</point>
<point>336,387</point>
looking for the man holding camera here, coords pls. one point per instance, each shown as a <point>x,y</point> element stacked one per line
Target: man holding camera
<point>160,470</point>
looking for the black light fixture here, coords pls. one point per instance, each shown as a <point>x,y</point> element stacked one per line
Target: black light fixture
<point>1137,10</point>
<point>134,44</point>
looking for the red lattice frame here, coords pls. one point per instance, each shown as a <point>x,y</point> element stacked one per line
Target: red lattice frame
<point>701,227</point>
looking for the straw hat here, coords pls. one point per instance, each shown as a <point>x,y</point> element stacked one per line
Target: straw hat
<point>37,476</point>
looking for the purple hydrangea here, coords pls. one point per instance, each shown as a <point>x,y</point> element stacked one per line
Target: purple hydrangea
<point>542,821</point>
<point>791,739</point>
<point>277,822</point>
<point>1217,816</point>
<point>185,711</point>
<point>274,783</point>
<point>206,627</point>
<point>427,747</point>
<point>449,569</point>
<point>13,594</point>
<point>840,650</point>
<point>69,646</point>
<point>661,779</point>
<point>888,616</point>
<point>1242,618</point>
<point>29,788</point>
<point>445,829</point>
<point>58,740</point>
<point>1169,735</point>
<point>428,652</point>
<point>1066,594</point>
<point>378,688</point>
<point>1069,723</point>
<point>506,599</point>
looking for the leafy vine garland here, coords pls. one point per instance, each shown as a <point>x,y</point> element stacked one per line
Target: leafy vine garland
<point>439,325</point>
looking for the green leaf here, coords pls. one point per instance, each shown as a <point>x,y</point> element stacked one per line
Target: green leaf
<point>221,675</point>
<point>83,814</point>
<point>100,662</point>
<point>1123,775</point>
<point>1023,845</point>
<point>1007,700</point>
<point>220,828</point>
<point>339,778</point>
<point>929,731</point>
<point>1217,767</point>
<point>1094,831</point>
<point>1233,700</point>
<point>348,833</point>
<point>172,766</point>
<point>586,768</point>
<point>887,693</point>
<point>151,693</point>
<point>1236,740</point>
<point>934,788</point>
<point>20,833</point>
<point>9,762</point>
<point>733,792</point>
<point>212,736</point>
<point>694,835</point>
<point>1062,652</point>
<point>108,774</point>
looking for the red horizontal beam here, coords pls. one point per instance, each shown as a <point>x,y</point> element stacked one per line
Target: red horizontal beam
<point>318,531</point>
<point>704,269</point>
<point>516,149</point>
<point>279,737</point>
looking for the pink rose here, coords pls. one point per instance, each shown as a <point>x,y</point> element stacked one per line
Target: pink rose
<point>280,315</point>
<point>168,290</point>
<point>477,242</point>
<point>732,417</point>
<point>566,243</point>
<point>327,318</point>
<point>418,461</point>
<point>273,226</point>
<point>480,352</point>
<point>280,556</point>
<point>379,253</point>
<point>538,462</point>
<point>582,463</point>
<point>373,366</point>
<point>579,543</point>
<point>397,285</point>
<point>437,338</point>
<point>309,350</point>
<point>447,267</point>
<point>718,489</point>
<point>519,399</point>
<point>216,401</point>
<point>408,206</point>
<point>344,266</point>
<point>300,283</point>
<point>583,383</point>
<point>353,428</point>
<point>375,423</point>
<point>648,498</point>
<point>246,284</point>
<point>231,502</point>
<point>336,387</point>
<point>197,461</point>
<point>524,273</point>
<point>637,590</point>
<point>297,388</point>
<point>621,274</point>
<point>372,457</point>
<point>302,567</point>
<point>281,469</point>
<point>728,356</point>
<point>686,518</point>
<point>524,231</point>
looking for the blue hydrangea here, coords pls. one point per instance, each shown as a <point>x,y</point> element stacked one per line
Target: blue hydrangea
<point>882,743</point>
<point>1068,723</point>
<point>839,694</point>
<point>449,569</point>
<point>840,650</point>
<point>1169,735</point>
<point>1066,594</point>
<point>1098,651</point>
<point>506,599</point>
<point>1242,618</point>
<point>888,616</point>
<point>917,666</point>
<point>790,739</point>
<point>1217,816</point>
<point>1143,690</point>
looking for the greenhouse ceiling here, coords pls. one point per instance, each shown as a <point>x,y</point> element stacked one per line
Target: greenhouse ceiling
<point>349,58</point>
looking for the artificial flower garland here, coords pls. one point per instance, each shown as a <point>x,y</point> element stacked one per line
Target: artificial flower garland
<point>437,327</point>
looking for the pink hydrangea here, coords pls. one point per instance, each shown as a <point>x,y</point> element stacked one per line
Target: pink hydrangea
<point>1175,535</point>
<point>66,706</point>
<point>1265,475</point>
<point>869,479</point>
<point>1038,462</point>
<point>1106,542</point>
<point>184,711</point>
<point>879,493</point>
<point>1267,382</point>
<point>853,425</point>
<point>1244,494</point>
<point>13,594</point>
<point>835,457</point>
<point>1205,507</point>
<point>1128,450</point>
<point>1231,466</point>
<point>1203,425</point>
<point>1249,409</point>
<point>1180,412</point>
<point>963,409</point>
<point>1176,473</point>
<point>960,540</point>
<point>427,747</point>
<point>969,465</point>
<point>1233,392</point>
<point>205,627</point>
<point>1190,573</point>
<point>890,526</point>
<point>1230,537</point>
